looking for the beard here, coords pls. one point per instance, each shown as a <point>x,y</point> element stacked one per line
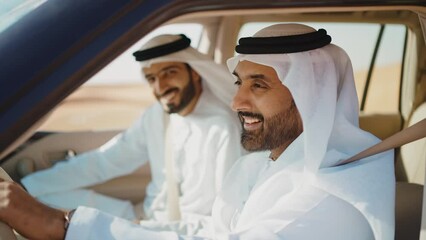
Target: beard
<point>275,131</point>
<point>186,96</point>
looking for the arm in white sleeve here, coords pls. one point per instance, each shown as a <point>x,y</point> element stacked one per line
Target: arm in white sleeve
<point>121,155</point>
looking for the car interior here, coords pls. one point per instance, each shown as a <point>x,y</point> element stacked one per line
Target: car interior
<point>386,45</point>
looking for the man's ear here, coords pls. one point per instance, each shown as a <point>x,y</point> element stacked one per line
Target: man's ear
<point>195,75</point>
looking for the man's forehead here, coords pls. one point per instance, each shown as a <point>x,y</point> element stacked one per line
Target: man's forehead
<point>162,65</point>
<point>248,69</point>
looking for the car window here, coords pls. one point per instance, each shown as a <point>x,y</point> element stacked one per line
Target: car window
<point>359,41</point>
<point>116,95</point>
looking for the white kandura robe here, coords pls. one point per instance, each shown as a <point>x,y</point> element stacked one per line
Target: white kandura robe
<point>268,199</point>
<point>203,155</point>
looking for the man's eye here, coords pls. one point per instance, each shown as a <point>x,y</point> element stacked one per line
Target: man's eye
<point>237,83</point>
<point>171,72</point>
<point>257,85</point>
<point>150,80</point>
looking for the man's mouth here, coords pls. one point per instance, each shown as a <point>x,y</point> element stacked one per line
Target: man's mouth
<point>169,95</point>
<point>251,121</point>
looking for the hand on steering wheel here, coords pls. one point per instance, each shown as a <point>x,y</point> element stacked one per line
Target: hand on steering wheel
<point>6,232</point>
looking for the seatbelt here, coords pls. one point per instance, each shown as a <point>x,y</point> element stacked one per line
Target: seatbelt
<point>172,186</point>
<point>410,134</point>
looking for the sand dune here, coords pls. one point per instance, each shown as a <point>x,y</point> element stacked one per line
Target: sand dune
<point>98,107</point>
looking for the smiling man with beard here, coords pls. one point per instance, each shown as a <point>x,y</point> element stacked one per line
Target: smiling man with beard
<point>192,123</point>
<point>297,103</point>
<point>268,123</point>
<point>260,134</point>
<point>175,85</point>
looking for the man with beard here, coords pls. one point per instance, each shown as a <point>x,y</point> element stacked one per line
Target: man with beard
<point>193,124</point>
<point>297,103</point>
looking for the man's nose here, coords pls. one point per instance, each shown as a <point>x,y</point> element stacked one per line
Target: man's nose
<point>160,86</point>
<point>241,100</point>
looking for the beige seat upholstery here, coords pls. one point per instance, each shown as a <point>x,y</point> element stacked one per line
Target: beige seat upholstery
<point>409,193</point>
<point>413,155</point>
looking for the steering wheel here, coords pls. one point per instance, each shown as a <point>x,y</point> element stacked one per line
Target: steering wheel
<point>6,232</point>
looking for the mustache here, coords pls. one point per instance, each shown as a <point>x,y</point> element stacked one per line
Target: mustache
<point>250,114</point>
<point>167,92</point>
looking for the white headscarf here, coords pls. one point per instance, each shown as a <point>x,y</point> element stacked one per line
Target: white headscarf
<point>316,79</point>
<point>216,77</point>
<point>322,85</point>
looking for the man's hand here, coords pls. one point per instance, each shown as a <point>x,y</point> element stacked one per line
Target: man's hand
<point>27,216</point>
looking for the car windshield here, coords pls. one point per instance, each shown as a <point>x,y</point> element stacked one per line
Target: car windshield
<point>13,10</point>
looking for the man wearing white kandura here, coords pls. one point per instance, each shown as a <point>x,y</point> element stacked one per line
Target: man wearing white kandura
<point>193,104</point>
